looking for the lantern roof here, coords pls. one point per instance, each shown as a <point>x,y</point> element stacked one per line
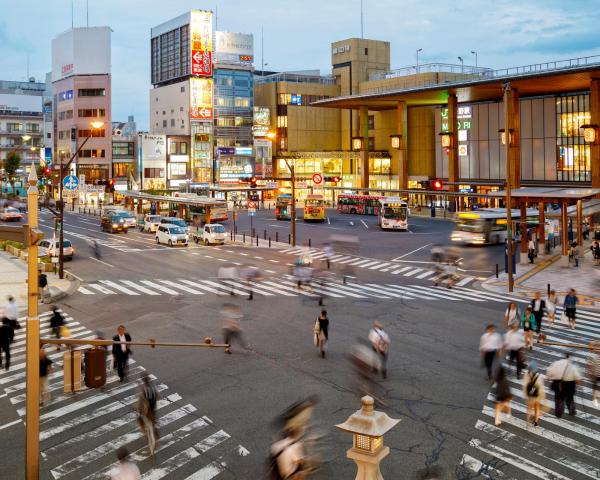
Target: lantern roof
<point>368,421</point>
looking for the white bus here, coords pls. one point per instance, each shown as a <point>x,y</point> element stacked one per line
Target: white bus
<point>393,213</point>
<point>488,225</point>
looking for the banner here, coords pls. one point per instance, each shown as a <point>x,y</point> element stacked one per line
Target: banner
<point>201,98</point>
<point>201,43</point>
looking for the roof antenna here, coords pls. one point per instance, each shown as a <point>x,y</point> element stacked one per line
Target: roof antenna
<point>362,35</point>
<point>87,13</point>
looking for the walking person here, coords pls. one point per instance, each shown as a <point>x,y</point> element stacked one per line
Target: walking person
<point>43,286</point>
<point>596,252</point>
<point>231,316</point>
<point>57,322</point>
<point>321,331</point>
<point>512,315</point>
<point>328,250</point>
<point>11,316</point>
<point>489,346</point>
<point>533,390</point>
<point>5,340</point>
<point>570,306</point>
<point>593,370</point>
<point>45,367</point>
<point>503,395</point>
<point>531,250</point>
<point>515,344</point>
<point>576,253</point>
<point>564,376</point>
<point>551,302</point>
<point>121,352</point>
<point>124,469</point>
<point>537,308</point>
<point>529,326</point>
<point>380,342</point>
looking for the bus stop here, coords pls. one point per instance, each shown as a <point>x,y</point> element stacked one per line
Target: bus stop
<point>567,198</point>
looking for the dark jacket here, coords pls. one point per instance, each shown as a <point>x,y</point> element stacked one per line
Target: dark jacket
<point>542,307</point>
<point>5,335</point>
<point>57,320</point>
<point>117,351</point>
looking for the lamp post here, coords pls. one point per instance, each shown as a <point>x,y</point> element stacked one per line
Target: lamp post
<point>462,64</point>
<point>61,258</point>
<point>419,50</point>
<point>473,52</point>
<point>292,169</point>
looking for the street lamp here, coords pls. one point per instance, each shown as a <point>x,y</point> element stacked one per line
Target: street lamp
<point>418,51</point>
<point>95,125</point>
<point>396,141</point>
<point>462,64</point>
<point>590,133</point>
<point>292,169</point>
<point>473,52</point>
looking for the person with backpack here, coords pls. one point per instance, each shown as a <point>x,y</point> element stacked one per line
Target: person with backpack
<point>528,324</point>
<point>321,331</point>
<point>514,344</point>
<point>533,390</point>
<point>57,322</point>
<point>490,345</point>
<point>564,376</point>
<point>43,286</point>
<point>503,394</point>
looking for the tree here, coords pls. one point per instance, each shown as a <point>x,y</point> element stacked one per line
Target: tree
<point>11,165</point>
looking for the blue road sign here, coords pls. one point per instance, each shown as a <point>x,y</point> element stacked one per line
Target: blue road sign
<point>70,182</point>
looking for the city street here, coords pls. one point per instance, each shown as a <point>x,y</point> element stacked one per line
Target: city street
<point>217,412</point>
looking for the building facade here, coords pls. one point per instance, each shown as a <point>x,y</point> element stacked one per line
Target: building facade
<point>81,86</point>
<point>124,154</point>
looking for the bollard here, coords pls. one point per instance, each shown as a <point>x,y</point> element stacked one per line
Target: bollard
<point>276,236</point>
<point>269,242</point>
<point>265,234</point>
<point>257,240</point>
<point>289,239</point>
<point>548,289</point>
<point>309,243</point>
<point>497,270</point>
<point>244,237</point>
<point>232,235</point>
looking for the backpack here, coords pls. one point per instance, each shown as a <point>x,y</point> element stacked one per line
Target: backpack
<point>43,280</point>
<point>532,388</point>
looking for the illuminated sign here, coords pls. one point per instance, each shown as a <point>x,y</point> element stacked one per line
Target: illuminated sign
<point>261,122</point>
<point>201,98</point>
<point>67,95</point>
<point>463,150</point>
<point>243,150</point>
<point>463,116</point>
<point>296,99</point>
<point>66,69</point>
<point>201,42</point>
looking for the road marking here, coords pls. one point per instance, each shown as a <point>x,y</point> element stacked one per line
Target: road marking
<point>426,274</point>
<point>328,221</point>
<point>254,287</point>
<point>350,259</point>
<point>291,289</point>
<point>125,290</point>
<point>7,425</point>
<point>411,252</point>
<point>377,267</point>
<point>464,281</point>
<point>85,291</point>
<point>362,262</point>
<point>202,286</point>
<point>480,468</point>
<point>139,287</point>
<point>101,289</point>
<point>412,272</point>
<point>181,287</point>
<point>103,263</point>
<point>396,272</point>
<point>366,226</point>
<point>162,288</point>
<point>274,261</point>
<point>270,271</point>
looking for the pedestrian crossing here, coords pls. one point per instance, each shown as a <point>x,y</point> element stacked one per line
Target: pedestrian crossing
<point>284,286</point>
<point>394,268</point>
<point>80,432</point>
<point>565,448</point>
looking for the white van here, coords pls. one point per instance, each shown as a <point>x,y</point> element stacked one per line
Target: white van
<point>171,235</point>
<point>210,234</point>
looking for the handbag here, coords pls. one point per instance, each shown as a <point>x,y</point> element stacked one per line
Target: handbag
<point>65,332</point>
<point>564,318</point>
<point>316,332</point>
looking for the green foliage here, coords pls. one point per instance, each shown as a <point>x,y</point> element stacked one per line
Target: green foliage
<point>11,165</point>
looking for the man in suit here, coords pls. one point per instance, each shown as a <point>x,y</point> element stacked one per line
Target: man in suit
<point>121,352</point>
<point>537,308</point>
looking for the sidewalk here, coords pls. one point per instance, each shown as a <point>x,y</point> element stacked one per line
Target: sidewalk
<point>13,281</point>
<point>585,279</point>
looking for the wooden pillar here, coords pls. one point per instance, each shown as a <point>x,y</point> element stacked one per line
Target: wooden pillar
<point>542,228</point>
<point>524,236</point>
<point>512,126</point>
<point>580,223</point>
<point>140,206</point>
<point>595,120</point>
<point>181,210</point>
<point>364,153</point>
<point>402,130</point>
<point>564,228</point>
<point>453,169</point>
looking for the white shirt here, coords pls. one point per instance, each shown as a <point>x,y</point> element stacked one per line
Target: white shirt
<point>379,339</point>
<point>490,342</point>
<point>536,305</point>
<point>531,245</point>
<point>11,311</point>
<point>123,346</point>
<point>513,340</point>
<point>512,315</point>
<point>125,471</point>
<point>563,370</point>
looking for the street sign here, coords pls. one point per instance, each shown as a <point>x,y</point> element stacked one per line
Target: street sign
<point>317,178</point>
<point>251,208</point>
<point>272,185</point>
<point>301,185</point>
<point>70,182</point>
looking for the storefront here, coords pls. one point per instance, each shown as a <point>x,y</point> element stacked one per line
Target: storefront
<point>234,164</point>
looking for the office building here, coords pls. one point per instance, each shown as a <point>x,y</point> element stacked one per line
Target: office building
<point>124,154</point>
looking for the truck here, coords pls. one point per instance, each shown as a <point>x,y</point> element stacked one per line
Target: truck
<point>210,234</point>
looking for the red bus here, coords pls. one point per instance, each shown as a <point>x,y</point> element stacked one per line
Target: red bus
<point>360,204</point>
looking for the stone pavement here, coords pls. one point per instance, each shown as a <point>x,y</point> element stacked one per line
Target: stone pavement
<point>585,279</point>
<point>13,281</point>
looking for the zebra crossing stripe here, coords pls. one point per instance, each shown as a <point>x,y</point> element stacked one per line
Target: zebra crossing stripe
<point>400,270</point>
<point>159,287</point>
<point>85,291</point>
<point>119,287</point>
<point>181,287</point>
<point>412,272</point>
<point>481,468</point>
<point>292,289</point>
<point>350,259</point>
<point>517,461</point>
<point>376,289</point>
<point>465,281</point>
<point>360,262</point>
<point>368,264</point>
<point>441,293</point>
<point>209,471</point>
<point>397,292</point>
<point>377,267</point>
<point>101,289</point>
<point>315,288</point>
<point>338,289</point>
<point>202,286</point>
<point>139,287</point>
<point>426,274</point>
<point>475,297</point>
<point>353,289</point>
<point>344,258</point>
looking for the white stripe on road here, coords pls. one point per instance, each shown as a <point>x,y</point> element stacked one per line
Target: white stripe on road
<point>368,264</point>
<point>256,289</point>
<point>412,251</point>
<point>85,291</point>
<point>412,272</point>
<point>101,289</point>
<point>400,270</point>
<point>470,295</point>
<point>116,286</point>
<point>377,267</point>
<point>426,274</point>
<point>202,286</point>
<point>465,281</point>
<point>157,286</point>
<point>480,468</point>
<point>424,292</point>
<point>209,471</point>
<point>350,259</point>
<point>292,289</point>
<point>10,424</point>
<point>313,288</point>
<point>363,222</point>
<point>360,262</point>
<point>353,289</point>
<point>139,287</point>
<point>181,287</point>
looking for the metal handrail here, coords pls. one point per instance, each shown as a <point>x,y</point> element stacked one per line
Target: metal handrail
<point>295,78</point>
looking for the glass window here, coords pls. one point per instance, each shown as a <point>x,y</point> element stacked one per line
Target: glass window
<point>172,148</point>
<point>572,153</point>
<point>91,92</point>
<point>183,148</point>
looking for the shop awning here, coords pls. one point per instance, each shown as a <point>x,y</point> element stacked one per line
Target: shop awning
<point>549,193</point>
<point>195,200</point>
<point>589,208</point>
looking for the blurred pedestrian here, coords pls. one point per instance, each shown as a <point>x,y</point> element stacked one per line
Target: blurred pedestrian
<point>380,341</point>
<point>57,322</point>
<point>551,302</point>
<point>5,339</point>
<point>503,395</point>
<point>593,370</point>
<point>528,325</point>
<point>45,367</point>
<point>538,306</point>
<point>512,315</point>
<point>230,317</point>
<point>124,469</point>
<point>576,253</point>
<point>43,287</point>
<point>328,250</point>
<point>533,390</point>
<point>121,352</point>
<point>564,376</point>
<point>321,330</point>
<point>250,274</point>
<point>228,273</point>
<point>531,250</point>
<point>570,306</point>
<point>515,344</point>
<point>11,317</point>
<point>489,346</point>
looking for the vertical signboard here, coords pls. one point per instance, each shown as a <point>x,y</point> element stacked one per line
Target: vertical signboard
<point>201,43</point>
<point>201,98</point>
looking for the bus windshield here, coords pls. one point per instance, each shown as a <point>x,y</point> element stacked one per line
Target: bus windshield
<point>470,224</point>
<point>394,213</point>
<point>314,202</point>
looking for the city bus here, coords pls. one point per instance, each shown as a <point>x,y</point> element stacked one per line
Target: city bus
<point>360,204</point>
<point>217,214</point>
<point>314,208</point>
<point>283,209</point>
<point>393,214</point>
<point>488,225</point>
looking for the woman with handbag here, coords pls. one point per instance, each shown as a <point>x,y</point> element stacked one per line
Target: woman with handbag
<point>321,332</point>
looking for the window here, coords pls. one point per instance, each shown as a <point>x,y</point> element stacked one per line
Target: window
<point>164,124</point>
<point>48,135</point>
<point>573,155</point>
<point>371,122</point>
<point>177,169</point>
<point>92,153</point>
<point>123,149</point>
<point>225,122</point>
<point>242,102</point>
<point>366,51</point>
<point>33,127</point>
<point>183,89</point>
<point>60,135</point>
<point>172,148</point>
<point>91,92</point>
<point>91,112</point>
<point>154,172</point>
<point>14,127</point>
<point>183,148</point>
<point>282,122</point>
<point>83,133</point>
<point>120,169</point>
<point>66,115</point>
<point>172,122</point>
<point>371,143</point>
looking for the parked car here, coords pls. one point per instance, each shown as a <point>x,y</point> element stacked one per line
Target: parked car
<point>46,248</point>
<point>210,234</point>
<point>113,224</point>
<point>149,223</point>
<point>180,222</point>
<point>11,214</point>
<point>171,235</point>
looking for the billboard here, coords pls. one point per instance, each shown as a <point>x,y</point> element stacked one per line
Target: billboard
<point>81,51</point>
<point>201,98</point>
<point>234,47</point>
<point>261,121</point>
<point>201,43</point>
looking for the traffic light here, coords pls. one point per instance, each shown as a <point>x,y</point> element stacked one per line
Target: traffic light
<point>110,185</point>
<point>253,182</point>
<point>437,184</point>
<point>47,171</point>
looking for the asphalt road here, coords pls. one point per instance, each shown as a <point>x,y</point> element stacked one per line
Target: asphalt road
<point>435,384</point>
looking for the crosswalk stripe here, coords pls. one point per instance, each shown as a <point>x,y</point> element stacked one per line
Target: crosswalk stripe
<point>85,291</point>
<point>412,272</point>
<point>256,286</point>
<point>139,287</point>
<point>369,263</point>
<point>396,292</point>
<point>356,288</point>
<point>204,287</point>
<point>466,295</point>
<point>348,260</point>
<point>315,289</point>
<point>343,258</point>
<point>292,289</point>
<point>381,293</point>
<point>121,288</point>
<point>101,289</point>
<point>245,289</point>
<point>360,262</point>
<point>439,293</point>
<point>377,267</point>
<point>181,287</point>
<point>400,270</point>
<point>476,466</point>
<point>426,274</point>
<point>317,255</point>
<point>337,289</point>
<point>517,461</point>
<point>209,471</point>
<point>465,281</point>
<point>157,286</point>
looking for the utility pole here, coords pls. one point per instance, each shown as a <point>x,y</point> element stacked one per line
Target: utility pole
<point>509,241</point>
<point>292,168</point>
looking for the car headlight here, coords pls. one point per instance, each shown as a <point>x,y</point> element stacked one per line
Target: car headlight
<point>115,225</point>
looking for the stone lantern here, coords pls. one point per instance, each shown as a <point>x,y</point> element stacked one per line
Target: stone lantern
<point>367,427</point>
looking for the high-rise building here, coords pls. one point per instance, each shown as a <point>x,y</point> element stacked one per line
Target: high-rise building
<point>81,86</point>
